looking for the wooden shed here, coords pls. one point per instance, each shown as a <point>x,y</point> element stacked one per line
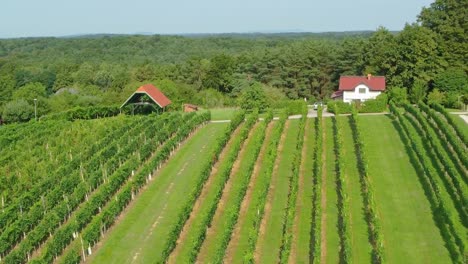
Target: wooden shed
<point>147,95</point>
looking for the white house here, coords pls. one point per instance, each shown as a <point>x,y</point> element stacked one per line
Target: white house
<point>359,88</point>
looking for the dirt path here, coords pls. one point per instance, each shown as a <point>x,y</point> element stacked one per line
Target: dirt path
<point>203,253</point>
<point>323,228</point>
<point>300,193</point>
<point>267,212</point>
<point>233,243</point>
<point>196,208</point>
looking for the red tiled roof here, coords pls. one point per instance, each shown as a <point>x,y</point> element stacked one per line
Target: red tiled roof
<point>349,83</point>
<point>155,94</point>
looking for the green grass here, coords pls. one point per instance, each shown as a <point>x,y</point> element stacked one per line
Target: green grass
<point>301,237</point>
<point>270,244</point>
<point>222,113</point>
<point>409,231</point>
<point>360,245</point>
<point>330,210</point>
<point>140,235</point>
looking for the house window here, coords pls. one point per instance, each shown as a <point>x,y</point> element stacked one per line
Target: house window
<point>362,90</point>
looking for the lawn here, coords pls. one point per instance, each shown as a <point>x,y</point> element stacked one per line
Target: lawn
<point>222,113</point>
<point>409,231</point>
<point>141,233</point>
<point>268,246</point>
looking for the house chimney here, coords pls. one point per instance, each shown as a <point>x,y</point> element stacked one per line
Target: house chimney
<point>369,76</point>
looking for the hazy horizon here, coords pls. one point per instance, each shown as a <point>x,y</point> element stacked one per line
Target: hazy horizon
<point>54,18</point>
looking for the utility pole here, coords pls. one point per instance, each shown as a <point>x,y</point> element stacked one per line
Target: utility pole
<point>35,109</point>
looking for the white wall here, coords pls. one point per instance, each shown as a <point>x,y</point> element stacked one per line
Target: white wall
<point>349,96</point>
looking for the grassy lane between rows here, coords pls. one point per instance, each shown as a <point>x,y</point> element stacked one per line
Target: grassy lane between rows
<point>239,234</point>
<point>331,245</point>
<point>139,237</point>
<point>409,231</point>
<point>226,216</point>
<point>269,245</point>
<point>359,236</point>
<point>302,223</point>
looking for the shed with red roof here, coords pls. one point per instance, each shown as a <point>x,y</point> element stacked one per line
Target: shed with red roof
<point>148,94</point>
<point>359,88</point>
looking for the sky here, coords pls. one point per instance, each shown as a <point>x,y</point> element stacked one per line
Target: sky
<point>32,18</point>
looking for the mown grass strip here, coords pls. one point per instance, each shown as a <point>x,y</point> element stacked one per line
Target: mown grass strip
<point>222,229</point>
<point>375,235</point>
<point>270,245</point>
<point>196,233</point>
<point>250,230</point>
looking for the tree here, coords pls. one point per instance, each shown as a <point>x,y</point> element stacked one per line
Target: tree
<point>17,111</point>
<point>447,18</point>
<point>220,73</point>
<point>418,92</point>
<point>435,97</point>
<point>398,95</point>
<point>253,98</point>
<point>30,91</point>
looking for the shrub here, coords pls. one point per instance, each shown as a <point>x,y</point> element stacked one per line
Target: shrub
<point>339,107</point>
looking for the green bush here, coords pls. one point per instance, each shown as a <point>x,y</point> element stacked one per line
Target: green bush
<point>377,105</point>
<point>295,107</point>
<point>339,107</point>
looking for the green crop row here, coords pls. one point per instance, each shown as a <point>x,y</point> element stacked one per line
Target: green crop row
<point>317,191</point>
<point>52,188</point>
<point>238,191</point>
<point>198,231</point>
<point>439,108</point>
<point>456,143</point>
<point>288,221</point>
<point>105,217</point>
<point>445,166</point>
<point>123,163</point>
<point>368,193</point>
<point>259,197</point>
<point>343,209</point>
<point>73,189</point>
<point>427,176</point>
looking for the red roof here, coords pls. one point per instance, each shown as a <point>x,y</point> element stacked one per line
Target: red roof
<point>349,83</point>
<point>337,94</point>
<point>155,94</point>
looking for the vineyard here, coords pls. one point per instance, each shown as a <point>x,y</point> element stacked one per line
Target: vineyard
<point>175,188</point>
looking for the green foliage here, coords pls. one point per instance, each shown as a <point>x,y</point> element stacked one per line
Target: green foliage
<point>376,105</point>
<point>398,95</point>
<point>17,111</point>
<point>253,97</point>
<point>418,92</point>
<point>435,97</point>
<point>339,107</point>
<point>296,107</point>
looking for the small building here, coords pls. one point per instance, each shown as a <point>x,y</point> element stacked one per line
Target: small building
<point>190,108</point>
<point>359,88</point>
<point>147,96</point>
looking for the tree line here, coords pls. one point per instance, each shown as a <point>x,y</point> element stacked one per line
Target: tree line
<point>426,60</point>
